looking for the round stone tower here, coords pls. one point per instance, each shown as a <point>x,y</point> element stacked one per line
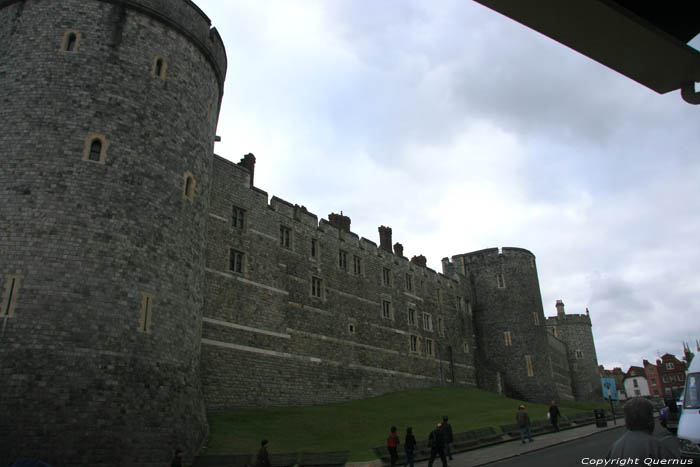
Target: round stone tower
<point>576,332</point>
<point>108,111</point>
<point>508,316</point>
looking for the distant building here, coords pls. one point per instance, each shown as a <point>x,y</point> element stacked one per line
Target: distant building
<point>617,375</point>
<point>672,374</point>
<point>636,382</point>
<point>609,388</point>
<point>653,380</point>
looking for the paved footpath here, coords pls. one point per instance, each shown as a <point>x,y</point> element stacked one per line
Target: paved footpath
<point>497,452</point>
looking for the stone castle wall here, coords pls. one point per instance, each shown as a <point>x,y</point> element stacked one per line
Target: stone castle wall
<point>561,372</point>
<point>267,340</point>
<point>102,261</point>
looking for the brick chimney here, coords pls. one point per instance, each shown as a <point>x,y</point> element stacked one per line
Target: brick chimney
<point>248,162</point>
<point>339,221</point>
<point>385,238</point>
<point>398,249</point>
<point>560,308</point>
<point>420,260</point>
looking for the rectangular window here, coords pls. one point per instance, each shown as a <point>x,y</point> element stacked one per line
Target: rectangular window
<point>146,312</point>
<point>411,316</point>
<point>409,282</point>
<point>10,295</point>
<point>285,237</point>
<point>427,321</point>
<point>536,317</point>
<point>413,343</point>
<point>460,304</point>
<point>508,338</point>
<point>343,260</point>
<point>681,377</point>
<point>238,218</point>
<point>441,325</point>
<point>501,281</point>
<point>429,347</point>
<point>386,309</point>
<point>635,383</point>
<point>653,380</point>
<point>469,307</point>
<point>314,248</point>
<point>637,392</point>
<point>316,287</point>
<point>528,365</point>
<point>465,347</point>
<point>235,262</point>
<point>665,379</point>
<point>673,378</point>
<point>386,277</point>
<point>579,354</point>
<point>669,366</point>
<point>356,265</point>
<point>554,331</point>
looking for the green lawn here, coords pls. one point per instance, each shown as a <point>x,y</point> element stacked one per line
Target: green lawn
<point>360,425</point>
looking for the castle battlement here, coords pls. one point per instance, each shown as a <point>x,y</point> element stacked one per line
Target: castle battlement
<point>568,320</point>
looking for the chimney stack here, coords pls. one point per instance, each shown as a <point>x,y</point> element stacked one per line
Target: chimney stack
<point>398,249</point>
<point>248,162</point>
<point>560,308</point>
<point>385,238</point>
<point>339,221</point>
<point>420,260</point>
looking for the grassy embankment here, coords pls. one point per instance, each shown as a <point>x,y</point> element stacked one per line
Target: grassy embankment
<point>360,425</point>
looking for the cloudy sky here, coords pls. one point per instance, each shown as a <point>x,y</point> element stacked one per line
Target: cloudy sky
<point>462,129</point>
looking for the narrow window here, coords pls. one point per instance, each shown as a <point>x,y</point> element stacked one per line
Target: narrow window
<point>159,67</point>
<point>429,347</point>
<point>238,218</point>
<point>188,187</point>
<point>409,282</point>
<point>235,261</point>
<point>411,316</point>
<point>314,247</point>
<point>427,321</point>
<point>146,312</point>
<point>579,354</point>
<point>343,260</point>
<point>469,307</point>
<point>285,235</point>
<point>536,317</point>
<point>386,309</point>
<point>528,365</point>
<point>508,338</point>
<point>460,304</point>
<point>316,287</point>
<point>386,277</point>
<point>413,343</point>
<point>9,299</point>
<point>501,281</point>
<point>635,383</point>
<point>555,332</point>
<point>351,328</point>
<point>465,347</point>
<point>357,265</point>
<point>95,148</point>
<point>70,41</point>
<point>441,325</point>
<point>669,366</point>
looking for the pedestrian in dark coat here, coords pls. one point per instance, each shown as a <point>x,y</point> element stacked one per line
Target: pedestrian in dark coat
<point>409,445</point>
<point>436,441</point>
<point>523,420</point>
<point>554,415</point>
<point>263,458</point>
<point>392,442</point>
<point>177,460</point>
<point>447,429</point>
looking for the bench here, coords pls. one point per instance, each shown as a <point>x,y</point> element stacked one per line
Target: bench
<point>582,418</point>
<point>324,459</point>
<point>231,460</point>
<point>284,459</point>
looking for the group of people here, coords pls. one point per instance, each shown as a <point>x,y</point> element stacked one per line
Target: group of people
<point>524,424</point>
<point>439,441</point>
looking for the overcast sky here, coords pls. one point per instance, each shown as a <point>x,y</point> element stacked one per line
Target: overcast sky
<point>462,130</point>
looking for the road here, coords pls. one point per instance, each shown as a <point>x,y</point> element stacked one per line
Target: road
<point>575,453</point>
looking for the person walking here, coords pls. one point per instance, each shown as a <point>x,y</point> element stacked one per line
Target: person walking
<point>263,458</point>
<point>554,415</point>
<point>447,429</point>
<point>409,445</point>
<point>638,442</point>
<point>523,420</point>
<point>392,443</point>
<point>436,441</point>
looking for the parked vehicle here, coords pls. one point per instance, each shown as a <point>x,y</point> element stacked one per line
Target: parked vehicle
<point>689,425</point>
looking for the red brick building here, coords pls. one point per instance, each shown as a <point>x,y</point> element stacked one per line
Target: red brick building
<point>653,379</point>
<point>672,374</point>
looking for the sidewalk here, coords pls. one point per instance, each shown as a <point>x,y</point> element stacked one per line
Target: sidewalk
<point>509,449</point>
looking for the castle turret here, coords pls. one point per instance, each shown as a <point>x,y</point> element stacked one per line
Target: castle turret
<point>511,336</point>
<point>108,121</point>
<point>576,332</point>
